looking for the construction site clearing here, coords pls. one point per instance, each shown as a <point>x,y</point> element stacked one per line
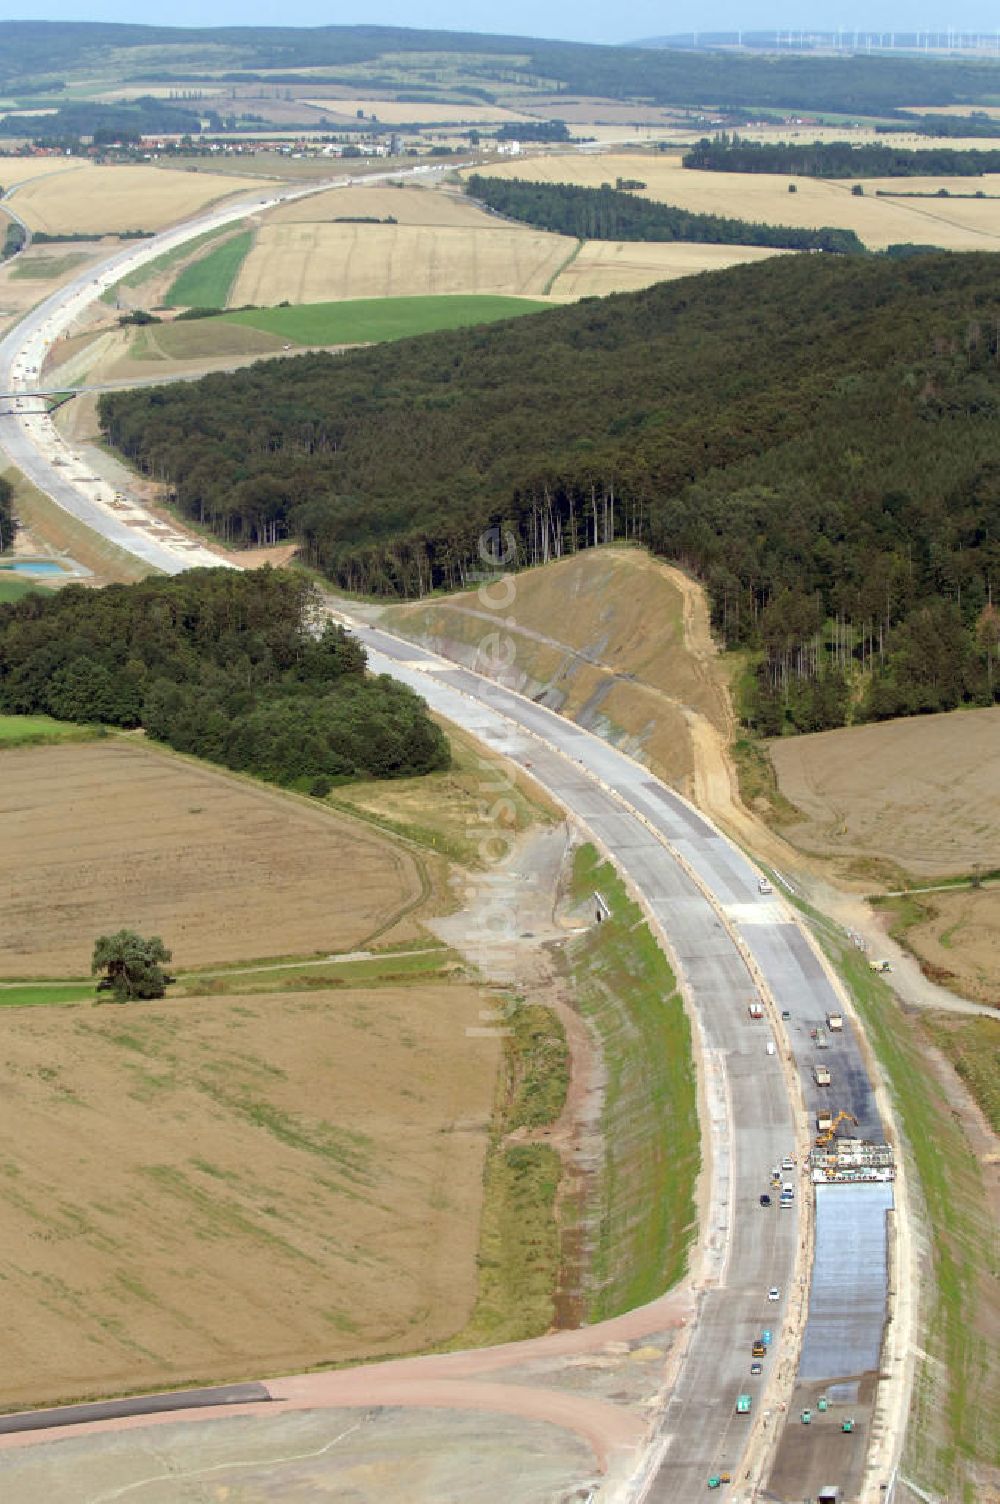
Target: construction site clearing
<point>846,1161</point>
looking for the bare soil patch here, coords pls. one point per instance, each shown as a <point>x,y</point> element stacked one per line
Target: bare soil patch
<point>957,940</point>
<point>210,1188</point>
<point>921,793</point>
<point>117,833</point>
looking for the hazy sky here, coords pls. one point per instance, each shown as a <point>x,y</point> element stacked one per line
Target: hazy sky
<point>577,20</point>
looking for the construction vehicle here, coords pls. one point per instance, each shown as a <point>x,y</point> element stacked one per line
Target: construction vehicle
<point>830,1132</point>
<point>880,966</point>
<point>835,1022</point>
<point>743,1404</point>
<point>821,1075</point>
<point>758,1350</point>
<point>824,1120</point>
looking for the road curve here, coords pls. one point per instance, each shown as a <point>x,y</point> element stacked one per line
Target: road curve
<point>30,439</point>
<point>727,941</point>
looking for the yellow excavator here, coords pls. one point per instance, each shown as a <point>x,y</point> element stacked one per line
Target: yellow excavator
<point>830,1133</point>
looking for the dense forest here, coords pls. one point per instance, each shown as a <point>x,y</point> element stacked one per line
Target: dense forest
<point>837,159</point>
<point>607,213</point>
<point>815,437</point>
<point>228,665</point>
<point>34,50</point>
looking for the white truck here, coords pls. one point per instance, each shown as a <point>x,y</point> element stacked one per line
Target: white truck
<point>835,1022</point>
<point>821,1075</point>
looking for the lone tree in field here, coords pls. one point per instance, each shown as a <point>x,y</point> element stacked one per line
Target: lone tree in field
<point>131,965</point>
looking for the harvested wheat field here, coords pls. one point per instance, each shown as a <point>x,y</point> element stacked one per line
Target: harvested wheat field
<point>921,793</point>
<point>613,638</point>
<point>605,266</point>
<point>409,205</point>
<point>119,198</point>
<point>217,1188</point>
<point>114,833</point>
<point>314,263</point>
<point>15,170</point>
<point>953,224</point>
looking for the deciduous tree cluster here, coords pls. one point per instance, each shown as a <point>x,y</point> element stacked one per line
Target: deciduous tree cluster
<point>230,666</point>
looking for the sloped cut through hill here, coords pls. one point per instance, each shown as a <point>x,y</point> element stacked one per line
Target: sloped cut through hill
<point>612,638</point>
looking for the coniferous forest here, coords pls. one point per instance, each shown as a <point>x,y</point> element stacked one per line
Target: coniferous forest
<point>228,665</point>
<point>814,437</point>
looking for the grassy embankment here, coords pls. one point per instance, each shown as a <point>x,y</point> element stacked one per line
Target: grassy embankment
<point>973,1047</point>
<point>519,1241</point>
<point>955,1421</point>
<point>640,1216</point>
<point>160,264</point>
<point>206,282</point>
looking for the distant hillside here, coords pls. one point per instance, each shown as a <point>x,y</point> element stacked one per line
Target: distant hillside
<point>39,50</point>
<point>815,437</point>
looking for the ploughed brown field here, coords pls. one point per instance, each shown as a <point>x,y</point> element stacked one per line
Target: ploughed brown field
<point>920,793</point>
<point>106,834</point>
<point>218,1187</point>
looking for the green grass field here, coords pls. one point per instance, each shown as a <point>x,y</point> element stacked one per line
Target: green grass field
<point>41,268</point>
<point>372,320</point>
<point>12,588</point>
<point>44,994</point>
<point>23,730</point>
<point>206,282</point>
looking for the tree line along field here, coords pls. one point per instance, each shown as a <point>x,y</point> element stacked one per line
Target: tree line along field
<point>951,224</point>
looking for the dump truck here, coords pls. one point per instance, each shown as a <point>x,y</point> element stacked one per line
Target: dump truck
<point>824,1122</point>
<point>758,1350</point>
<point>821,1075</point>
<point>835,1022</point>
<point>743,1404</point>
